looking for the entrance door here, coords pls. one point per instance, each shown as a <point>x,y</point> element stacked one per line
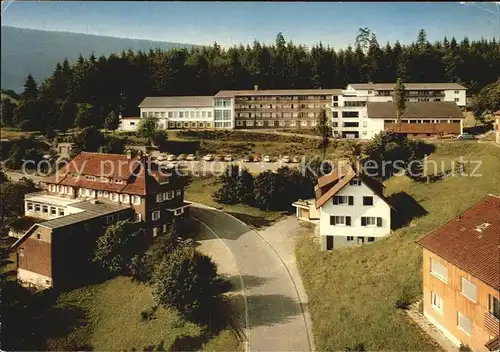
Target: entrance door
<point>329,242</point>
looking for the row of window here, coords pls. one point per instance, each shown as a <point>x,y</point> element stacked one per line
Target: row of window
<point>424,121</point>
<point>44,209</point>
<point>273,123</point>
<point>284,97</point>
<point>193,124</point>
<point>349,200</point>
<point>161,197</point>
<point>280,115</point>
<point>360,239</point>
<point>178,114</point>
<point>114,197</point>
<point>222,115</point>
<point>340,220</point>
<point>282,106</point>
<point>61,189</point>
<point>223,124</point>
<point>222,103</point>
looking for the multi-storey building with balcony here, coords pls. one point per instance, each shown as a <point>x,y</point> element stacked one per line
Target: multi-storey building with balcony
<point>350,117</point>
<point>275,109</point>
<point>91,191</point>
<point>461,277</point>
<point>191,112</point>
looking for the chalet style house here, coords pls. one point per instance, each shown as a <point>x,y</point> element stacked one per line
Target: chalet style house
<point>352,207</point>
<point>461,277</point>
<point>90,192</point>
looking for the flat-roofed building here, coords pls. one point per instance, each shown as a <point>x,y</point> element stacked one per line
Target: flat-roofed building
<point>187,112</point>
<point>275,108</point>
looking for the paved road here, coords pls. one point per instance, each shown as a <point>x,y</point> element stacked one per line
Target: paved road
<point>275,315</point>
<point>15,176</point>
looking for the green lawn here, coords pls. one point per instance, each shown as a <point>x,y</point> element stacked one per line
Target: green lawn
<point>201,189</point>
<point>352,292</point>
<point>107,317</point>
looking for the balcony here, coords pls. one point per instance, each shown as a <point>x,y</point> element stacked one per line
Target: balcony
<point>492,324</point>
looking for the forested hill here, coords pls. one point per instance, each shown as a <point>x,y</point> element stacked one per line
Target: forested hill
<point>28,50</point>
<point>120,81</point>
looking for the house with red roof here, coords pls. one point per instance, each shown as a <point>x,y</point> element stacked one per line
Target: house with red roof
<point>352,208</point>
<point>461,276</point>
<point>81,199</point>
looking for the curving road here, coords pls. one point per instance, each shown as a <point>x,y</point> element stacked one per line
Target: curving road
<point>275,317</point>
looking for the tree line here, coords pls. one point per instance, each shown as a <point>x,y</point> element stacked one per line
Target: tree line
<point>84,93</point>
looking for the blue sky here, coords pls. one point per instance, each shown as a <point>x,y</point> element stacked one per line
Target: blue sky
<point>231,23</point>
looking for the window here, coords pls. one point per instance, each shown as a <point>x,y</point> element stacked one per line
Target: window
<point>38,236</point>
<point>169,195</point>
<point>37,207</point>
<point>160,197</point>
<point>144,114</point>
<point>209,114</point>
<point>365,124</point>
<point>371,239</point>
<point>155,215</point>
<point>109,219</point>
<point>355,182</point>
<point>138,217</point>
<point>494,306</point>
<point>436,301</point>
<point>155,231</point>
<point>456,92</point>
<point>350,114</point>
<point>368,200</point>
<point>61,212</point>
<point>52,188</point>
<point>464,323</point>
<point>162,113</point>
<point>178,212</point>
<point>457,100</point>
<point>192,114</point>
<point>350,238</point>
<point>370,92</point>
<point>30,206</point>
<point>170,114</point>
<point>53,211</point>
<point>45,209</point>
<point>340,220</point>
<point>125,198</point>
<point>439,270</point>
<point>181,114</point>
<point>361,240</point>
<point>343,200</point>
<point>178,193</point>
<point>368,221</point>
<point>468,289</point>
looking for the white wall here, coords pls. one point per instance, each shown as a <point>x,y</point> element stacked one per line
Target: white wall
<point>450,95</point>
<point>192,117</point>
<point>220,123</point>
<point>129,125</point>
<point>28,278</point>
<point>356,211</point>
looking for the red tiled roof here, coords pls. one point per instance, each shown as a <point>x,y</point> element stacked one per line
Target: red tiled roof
<point>331,184</point>
<point>471,241</point>
<point>116,166</point>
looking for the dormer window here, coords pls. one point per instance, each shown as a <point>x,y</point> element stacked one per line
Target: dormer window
<point>355,182</point>
<point>90,178</point>
<point>118,181</point>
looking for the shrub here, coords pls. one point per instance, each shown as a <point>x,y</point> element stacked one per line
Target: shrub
<point>148,314</point>
<point>403,300</point>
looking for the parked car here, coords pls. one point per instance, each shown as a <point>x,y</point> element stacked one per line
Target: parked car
<point>228,158</point>
<point>208,157</point>
<point>286,159</point>
<point>181,157</point>
<point>465,136</point>
<point>190,157</point>
<point>247,159</point>
<point>295,159</point>
<point>171,157</point>
<point>267,159</point>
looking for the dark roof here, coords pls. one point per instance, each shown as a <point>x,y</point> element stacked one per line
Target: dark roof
<point>471,241</point>
<point>331,184</point>
<point>423,109</point>
<point>408,86</point>
<point>90,211</point>
<point>177,102</point>
<point>253,92</point>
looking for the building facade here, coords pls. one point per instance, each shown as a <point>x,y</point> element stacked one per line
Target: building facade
<point>352,209</point>
<point>292,108</point>
<point>461,277</point>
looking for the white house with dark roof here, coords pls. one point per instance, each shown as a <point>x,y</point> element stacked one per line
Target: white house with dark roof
<point>352,208</point>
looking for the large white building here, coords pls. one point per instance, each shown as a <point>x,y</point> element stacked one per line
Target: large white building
<point>299,109</point>
<point>352,209</point>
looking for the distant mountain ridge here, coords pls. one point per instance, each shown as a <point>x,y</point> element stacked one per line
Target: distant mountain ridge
<point>28,50</point>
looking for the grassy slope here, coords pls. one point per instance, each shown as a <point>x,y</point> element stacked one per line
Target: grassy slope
<point>112,314</point>
<point>352,292</point>
<point>201,190</point>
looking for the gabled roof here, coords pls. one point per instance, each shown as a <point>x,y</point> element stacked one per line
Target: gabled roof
<point>423,109</point>
<point>329,185</point>
<point>137,179</point>
<point>253,92</point>
<point>408,86</point>
<point>471,241</point>
<point>177,102</point>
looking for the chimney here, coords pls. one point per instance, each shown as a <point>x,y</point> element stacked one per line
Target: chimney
<point>256,87</point>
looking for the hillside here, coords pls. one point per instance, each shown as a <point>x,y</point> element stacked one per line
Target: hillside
<point>28,50</point>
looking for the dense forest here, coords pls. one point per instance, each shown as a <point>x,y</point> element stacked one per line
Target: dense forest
<point>84,93</point>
